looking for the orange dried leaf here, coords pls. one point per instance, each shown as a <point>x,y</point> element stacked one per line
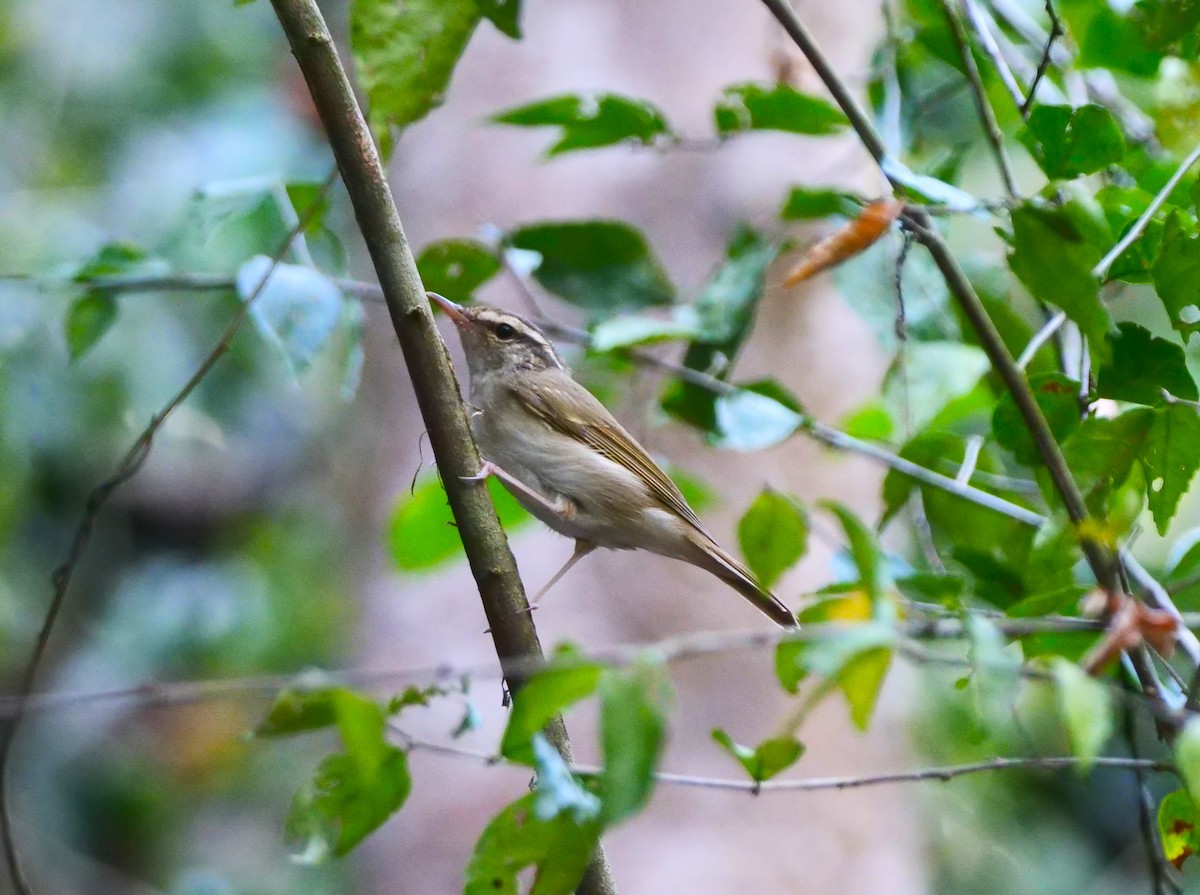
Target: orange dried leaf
<point>858,235</point>
<point>1131,625</point>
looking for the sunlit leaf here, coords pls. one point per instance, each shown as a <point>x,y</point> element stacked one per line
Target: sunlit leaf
<point>558,790</point>
<point>766,759</point>
<point>748,420</point>
<point>773,535</point>
<point>1178,827</point>
<point>1086,710</point>
<point>404,54</point>
<point>590,122</point>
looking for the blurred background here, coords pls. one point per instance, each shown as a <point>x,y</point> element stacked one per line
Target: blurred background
<point>254,540</point>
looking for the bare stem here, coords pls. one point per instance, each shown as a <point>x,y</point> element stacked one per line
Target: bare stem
<point>438,396</point>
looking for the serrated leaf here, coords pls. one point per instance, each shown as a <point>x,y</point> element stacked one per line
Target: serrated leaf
<point>766,759</point>
<point>1068,142</point>
<point>558,850</point>
<point>504,14</point>
<point>1170,459</point>
<point>755,107</point>
<point>1051,254</point>
<point>804,204</point>
<point>297,309</point>
<point>1058,398</point>
<point>1142,366</point>
<point>89,317</point>
<point>633,705</point>
<point>1102,452</point>
<point>590,121</point>
<point>455,268</point>
<point>422,533</point>
<point>602,266</point>
<point>1178,827</point>
<point>545,695</point>
<point>404,54</point>
<point>773,535</point>
<point>1085,708</point>
<point>1176,273</point>
<point>355,791</point>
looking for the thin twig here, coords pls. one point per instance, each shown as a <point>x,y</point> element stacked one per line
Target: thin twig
<point>983,106</point>
<point>128,467</point>
<point>987,40</point>
<point>1041,337</point>
<point>1056,31</point>
<point>1100,271</point>
<point>813,784</point>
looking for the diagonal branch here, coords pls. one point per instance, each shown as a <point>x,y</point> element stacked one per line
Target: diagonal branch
<point>437,392</point>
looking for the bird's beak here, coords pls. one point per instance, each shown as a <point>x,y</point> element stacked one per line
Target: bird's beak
<point>452,310</point>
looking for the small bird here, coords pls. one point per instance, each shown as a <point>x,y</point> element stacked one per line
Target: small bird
<point>570,463</point>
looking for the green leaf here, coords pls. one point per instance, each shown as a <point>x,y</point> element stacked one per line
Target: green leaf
<point>1102,452</point>
<point>545,695</point>
<point>558,849</point>
<point>504,14</point>
<point>422,533</point>
<point>1057,396</point>
<point>871,422</point>
<point>1178,827</point>
<point>1051,255</point>
<point>725,309</point>
<point>1068,142</point>
<point>804,204</point>
<point>628,330</point>
<point>1085,708</point>
<point>1170,459</point>
<point>1187,757</point>
<point>89,317</point>
<point>297,309</point>
<point>114,259</point>
<point>353,792</point>
<point>299,710</point>
<point>868,559</point>
<point>404,54</point>
<point>590,122</point>
<point>1142,366</point>
<point>604,267</point>
<point>766,759</point>
<point>929,375</point>
<point>455,268</point>
<point>750,420</point>
<point>1114,41</point>
<point>1176,273</point>
<point>755,107</point>
<point>773,535</point>
<point>633,704</point>
<point>857,660</point>
<point>559,791</point>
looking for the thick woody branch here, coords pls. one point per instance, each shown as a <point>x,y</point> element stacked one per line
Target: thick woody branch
<point>438,396</point>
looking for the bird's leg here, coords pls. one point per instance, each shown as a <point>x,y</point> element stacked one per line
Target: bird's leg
<point>582,549</point>
<point>564,507</point>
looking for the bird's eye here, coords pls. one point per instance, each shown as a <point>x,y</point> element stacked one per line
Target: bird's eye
<point>505,331</point>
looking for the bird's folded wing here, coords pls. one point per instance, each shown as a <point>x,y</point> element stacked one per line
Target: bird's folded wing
<point>582,417</point>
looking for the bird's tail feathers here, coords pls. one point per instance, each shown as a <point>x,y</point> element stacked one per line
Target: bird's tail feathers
<point>709,556</point>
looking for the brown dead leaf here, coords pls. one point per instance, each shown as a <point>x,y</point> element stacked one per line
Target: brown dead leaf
<point>858,235</point>
<point>1130,625</point>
